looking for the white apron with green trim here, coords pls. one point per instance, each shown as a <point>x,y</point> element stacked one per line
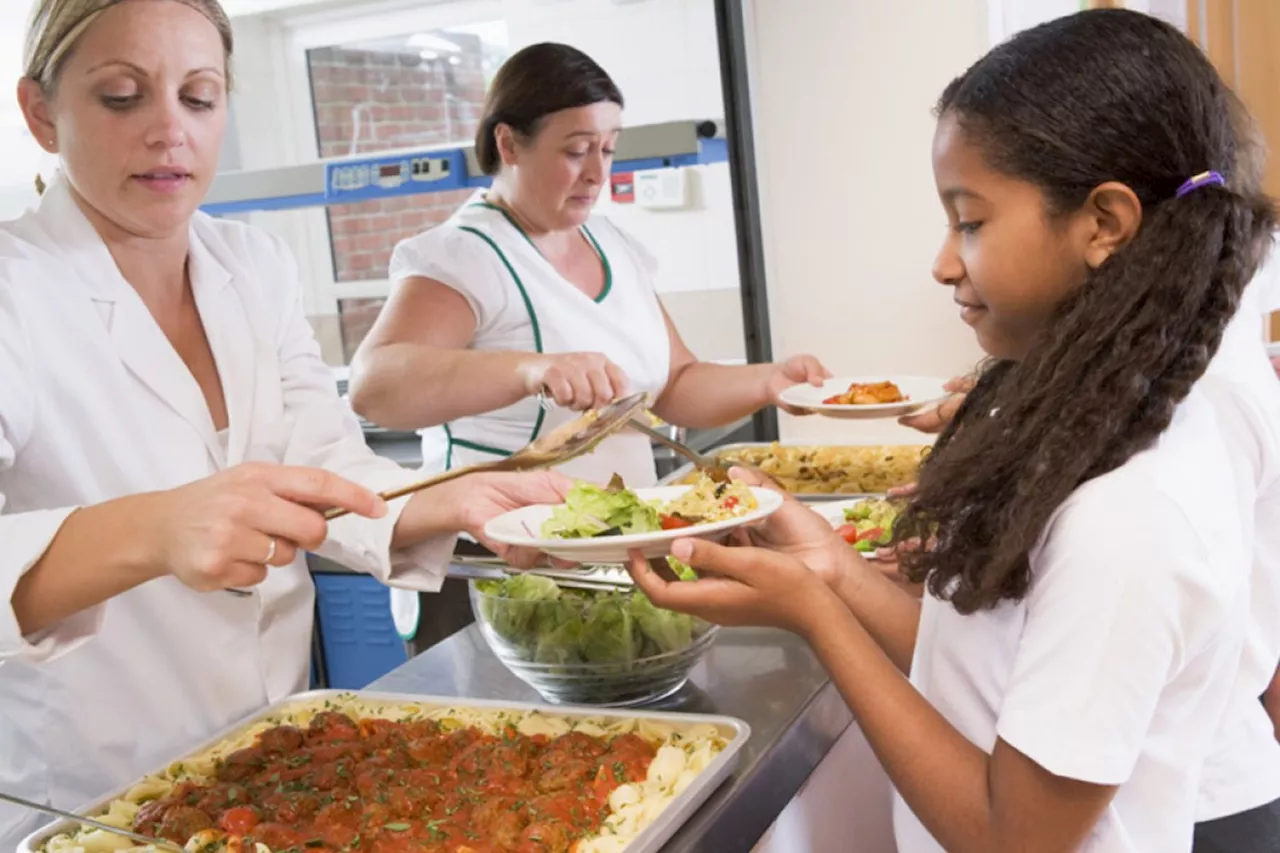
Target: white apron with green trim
<point>548,314</point>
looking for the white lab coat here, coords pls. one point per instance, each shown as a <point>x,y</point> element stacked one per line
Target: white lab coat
<point>94,405</point>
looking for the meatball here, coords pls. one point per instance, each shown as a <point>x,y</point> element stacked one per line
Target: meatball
<point>182,822</point>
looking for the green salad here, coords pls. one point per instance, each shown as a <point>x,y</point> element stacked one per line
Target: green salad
<point>544,623</point>
<point>590,511</point>
<point>869,523</point>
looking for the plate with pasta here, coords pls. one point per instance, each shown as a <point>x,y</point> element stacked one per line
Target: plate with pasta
<point>334,772</point>
<point>859,397</point>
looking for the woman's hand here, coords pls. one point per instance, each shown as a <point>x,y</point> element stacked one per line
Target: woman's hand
<point>575,380</point>
<point>226,530</point>
<point>794,371</point>
<point>935,420</point>
<point>739,586</point>
<point>481,497</point>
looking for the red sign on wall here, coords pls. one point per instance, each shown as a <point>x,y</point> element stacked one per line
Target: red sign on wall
<point>623,187</point>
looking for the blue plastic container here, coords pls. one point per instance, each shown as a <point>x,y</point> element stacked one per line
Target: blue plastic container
<point>357,635</point>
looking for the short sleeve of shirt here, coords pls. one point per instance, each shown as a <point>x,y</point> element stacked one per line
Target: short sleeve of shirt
<point>1109,622</point>
<point>462,260</point>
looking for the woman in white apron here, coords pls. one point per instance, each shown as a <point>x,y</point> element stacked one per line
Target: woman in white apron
<point>155,370</point>
<point>525,294</point>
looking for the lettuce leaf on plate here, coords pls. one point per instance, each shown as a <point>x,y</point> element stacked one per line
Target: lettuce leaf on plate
<point>591,511</point>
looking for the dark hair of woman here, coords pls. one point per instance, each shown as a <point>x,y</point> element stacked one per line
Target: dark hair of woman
<point>1099,96</point>
<point>535,82</point>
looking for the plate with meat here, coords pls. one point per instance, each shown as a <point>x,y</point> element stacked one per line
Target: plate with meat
<point>859,397</point>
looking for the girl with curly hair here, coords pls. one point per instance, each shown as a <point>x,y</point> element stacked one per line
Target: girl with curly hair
<point>1088,586</point>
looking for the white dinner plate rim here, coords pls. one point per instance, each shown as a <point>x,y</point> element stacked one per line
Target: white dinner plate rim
<point>768,500</point>
<point>795,395</point>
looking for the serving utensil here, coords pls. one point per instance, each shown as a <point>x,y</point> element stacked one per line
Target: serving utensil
<point>713,467</point>
<point>601,578</point>
<point>566,442</point>
<point>161,843</point>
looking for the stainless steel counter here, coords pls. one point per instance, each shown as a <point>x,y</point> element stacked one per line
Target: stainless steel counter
<point>769,678</point>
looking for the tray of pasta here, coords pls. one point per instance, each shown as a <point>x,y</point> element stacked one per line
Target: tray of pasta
<point>814,472</point>
<point>342,772</point>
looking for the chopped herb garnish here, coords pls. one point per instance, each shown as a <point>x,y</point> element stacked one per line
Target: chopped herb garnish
<point>396,827</point>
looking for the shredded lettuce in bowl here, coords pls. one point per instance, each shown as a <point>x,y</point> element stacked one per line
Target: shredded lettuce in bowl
<point>541,622</point>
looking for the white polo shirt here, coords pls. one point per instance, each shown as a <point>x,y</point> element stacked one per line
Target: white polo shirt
<point>1116,667</point>
<point>1243,769</point>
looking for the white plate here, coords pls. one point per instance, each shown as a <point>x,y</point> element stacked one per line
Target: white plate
<point>833,512</point>
<point>921,392</point>
<point>1273,349</point>
<point>522,528</point>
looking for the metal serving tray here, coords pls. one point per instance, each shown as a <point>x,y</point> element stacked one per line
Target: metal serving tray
<point>808,497</point>
<point>650,840</point>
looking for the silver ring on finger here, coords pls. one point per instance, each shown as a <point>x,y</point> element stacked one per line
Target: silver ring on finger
<point>271,550</point>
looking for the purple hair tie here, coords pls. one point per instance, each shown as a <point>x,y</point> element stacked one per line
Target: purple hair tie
<point>1203,179</point>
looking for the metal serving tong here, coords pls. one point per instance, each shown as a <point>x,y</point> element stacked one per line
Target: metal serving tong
<point>560,445</point>
<point>596,577</point>
<point>710,465</point>
<point>88,821</point>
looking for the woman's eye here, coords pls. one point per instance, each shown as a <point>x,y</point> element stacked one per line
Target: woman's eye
<point>966,227</point>
<point>198,103</point>
<point>119,102</point>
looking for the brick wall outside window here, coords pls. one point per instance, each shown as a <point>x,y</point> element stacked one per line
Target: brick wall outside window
<point>381,97</point>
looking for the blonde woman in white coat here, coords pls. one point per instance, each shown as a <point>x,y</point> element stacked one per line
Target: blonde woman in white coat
<point>155,372</point>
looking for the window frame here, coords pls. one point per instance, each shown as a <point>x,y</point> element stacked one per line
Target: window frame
<point>289,35</point>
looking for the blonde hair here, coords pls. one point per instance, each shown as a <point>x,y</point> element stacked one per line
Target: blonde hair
<point>57,25</point>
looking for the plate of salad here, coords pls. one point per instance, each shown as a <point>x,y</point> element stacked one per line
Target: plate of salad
<point>600,524</point>
<point>865,523</point>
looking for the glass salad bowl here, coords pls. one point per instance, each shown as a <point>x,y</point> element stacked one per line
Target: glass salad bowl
<point>586,647</point>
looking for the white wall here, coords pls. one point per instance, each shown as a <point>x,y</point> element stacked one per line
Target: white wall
<point>843,94</point>
<point>20,157</point>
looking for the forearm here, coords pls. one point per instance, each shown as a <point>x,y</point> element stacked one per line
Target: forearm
<point>413,386</point>
<point>889,613</point>
<point>98,553</point>
<point>941,775</point>
<point>703,395</point>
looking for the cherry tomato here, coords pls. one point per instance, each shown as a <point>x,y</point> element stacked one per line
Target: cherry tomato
<point>238,821</point>
<point>670,522</point>
<point>848,533</point>
<point>872,534</point>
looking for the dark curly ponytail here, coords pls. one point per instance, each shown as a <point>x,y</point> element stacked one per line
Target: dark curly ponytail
<point>1099,96</point>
